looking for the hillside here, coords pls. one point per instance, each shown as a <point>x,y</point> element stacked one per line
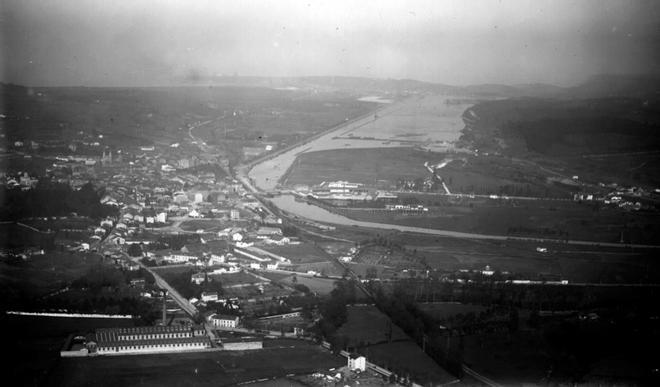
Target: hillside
<point>616,135</point>
<point>140,116</point>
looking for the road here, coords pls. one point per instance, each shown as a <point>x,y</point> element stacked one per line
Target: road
<point>178,298</point>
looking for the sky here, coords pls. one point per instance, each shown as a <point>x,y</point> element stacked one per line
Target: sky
<point>149,42</point>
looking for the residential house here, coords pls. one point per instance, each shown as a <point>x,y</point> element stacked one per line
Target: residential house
<point>198,278</point>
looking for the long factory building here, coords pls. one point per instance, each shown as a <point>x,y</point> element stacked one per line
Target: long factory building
<point>116,341</point>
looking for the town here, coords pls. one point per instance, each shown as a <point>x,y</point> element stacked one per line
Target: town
<point>329,193</point>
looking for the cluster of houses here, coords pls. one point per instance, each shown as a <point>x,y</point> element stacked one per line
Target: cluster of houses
<point>18,180</point>
<point>627,198</point>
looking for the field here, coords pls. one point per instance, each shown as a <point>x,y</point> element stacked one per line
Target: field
<point>235,279</point>
<point>326,268</point>
<point>12,164</point>
<point>443,310</point>
<point>511,361</point>
<point>467,173</point>
<point>41,341</point>
<point>139,115</point>
<point>199,369</point>
<point>366,270</point>
<point>613,352</point>
<point>543,219</point>
<point>322,286</point>
<point>407,358</point>
<point>247,292</point>
<point>574,263</point>
<point>23,281</point>
<point>13,235</point>
<point>384,258</point>
<point>302,253</point>
<point>367,166</point>
<point>366,325</point>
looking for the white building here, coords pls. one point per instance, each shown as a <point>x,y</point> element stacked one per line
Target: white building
<point>179,258</point>
<point>161,217</point>
<point>357,362</point>
<point>223,321</point>
<point>216,259</point>
<point>209,296</point>
<point>198,278</point>
<point>265,232</point>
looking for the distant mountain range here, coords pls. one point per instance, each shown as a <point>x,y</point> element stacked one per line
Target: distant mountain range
<point>634,86</point>
<point>601,86</point>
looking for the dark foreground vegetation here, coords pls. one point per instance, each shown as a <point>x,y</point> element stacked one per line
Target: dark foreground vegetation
<point>568,332</point>
<point>49,199</point>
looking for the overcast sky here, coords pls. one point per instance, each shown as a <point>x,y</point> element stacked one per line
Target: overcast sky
<point>148,42</point>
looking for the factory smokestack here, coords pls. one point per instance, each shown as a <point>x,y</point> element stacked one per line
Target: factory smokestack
<point>164,321</point>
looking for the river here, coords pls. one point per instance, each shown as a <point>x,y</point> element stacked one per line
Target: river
<point>425,121</point>
<point>265,176</point>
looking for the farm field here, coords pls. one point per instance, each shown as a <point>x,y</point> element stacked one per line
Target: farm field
<point>366,325</point>
<point>252,291</point>
<point>365,270</point>
<point>443,310</point>
<point>467,173</point>
<point>274,276</point>
<point>542,219</point>
<point>302,253</point>
<point>235,279</point>
<point>387,258</point>
<point>375,166</point>
<point>200,369</point>
<point>574,263</point>
<point>322,286</point>
<point>326,268</point>
<point>335,248</point>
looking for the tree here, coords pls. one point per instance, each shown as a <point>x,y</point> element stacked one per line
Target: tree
<point>135,250</point>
